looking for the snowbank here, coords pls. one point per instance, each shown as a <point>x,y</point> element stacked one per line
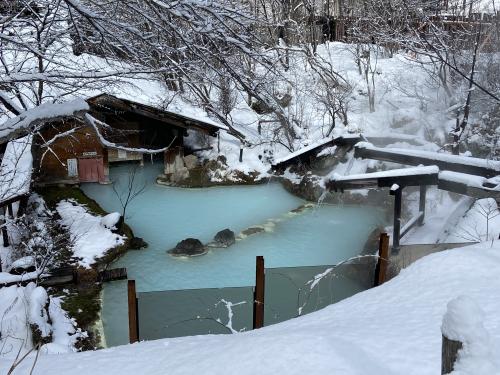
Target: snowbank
<point>390,330</point>
<point>89,236</point>
<point>21,307</point>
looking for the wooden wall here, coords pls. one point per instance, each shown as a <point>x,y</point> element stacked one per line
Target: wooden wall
<point>51,165</point>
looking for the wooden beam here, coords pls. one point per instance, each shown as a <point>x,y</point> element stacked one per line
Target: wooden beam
<point>411,223</point>
<point>258,304</point>
<point>398,198</point>
<point>461,188</point>
<point>133,323</point>
<point>400,158</point>
<point>388,181</point>
<point>421,204</point>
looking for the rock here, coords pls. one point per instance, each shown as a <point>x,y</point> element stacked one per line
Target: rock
<point>224,238</point>
<point>138,243</point>
<point>252,230</point>
<point>188,247</point>
<point>302,208</point>
<point>179,175</point>
<point>190,161</point>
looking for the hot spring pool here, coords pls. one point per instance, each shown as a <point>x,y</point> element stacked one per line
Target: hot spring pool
<point>163,216</point>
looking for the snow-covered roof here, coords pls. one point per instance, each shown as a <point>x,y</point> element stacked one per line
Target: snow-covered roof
<point>179,117</point>
<point>20,125</point>
<point>16,169</point>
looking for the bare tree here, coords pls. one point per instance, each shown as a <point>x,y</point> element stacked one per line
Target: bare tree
<point>128,192</point>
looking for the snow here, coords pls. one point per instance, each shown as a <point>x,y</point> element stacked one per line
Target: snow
<point>401,319</point>
<point>21,306</point>
<point>16,169</point>
<point>471,180</point>
<point>41,114</point>
<point>7,278</point>
<point>310,147</point>
<point>110,220</point>
<point>90,238</point>
<point>64,331</point>
<point>480,223</point>
<point>414,171</point>
<point>438,156</point>
<point>37,315</point>
<point>23,262</point>
<point>463,321</point>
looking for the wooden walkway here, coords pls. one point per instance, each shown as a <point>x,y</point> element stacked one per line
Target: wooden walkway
<point>463,175</point>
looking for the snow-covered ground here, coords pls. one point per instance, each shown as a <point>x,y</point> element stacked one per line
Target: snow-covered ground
<point>22,307</point>
<point>391,329</point>
<point>90,234</point>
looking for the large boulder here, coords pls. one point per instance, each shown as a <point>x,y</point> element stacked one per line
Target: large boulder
<point>190,161</point>
<point>224,238</point>
<point>189,247</point>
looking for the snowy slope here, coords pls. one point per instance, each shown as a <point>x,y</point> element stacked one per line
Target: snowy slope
<point>90,236</point>
<point>390,330</point>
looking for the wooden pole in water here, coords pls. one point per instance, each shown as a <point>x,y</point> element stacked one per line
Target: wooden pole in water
<point>133,328</point>
<point>258,303</point>
<point>449,353</point>
<point>383,258</point>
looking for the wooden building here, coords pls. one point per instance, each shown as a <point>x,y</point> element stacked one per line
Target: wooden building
<point>78,150</point>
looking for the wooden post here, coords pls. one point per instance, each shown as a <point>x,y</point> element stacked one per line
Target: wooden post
<point>133,324</point>
<point>258,303</point>
<point>449,352</point>
<point>23,204</point>
<point>218,142</point>
<point>398,197</point>
<point>421,204</point>
<point>5,235</point>
<point>382,262</point>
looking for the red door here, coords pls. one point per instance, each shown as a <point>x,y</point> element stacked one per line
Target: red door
<point>91,170</point>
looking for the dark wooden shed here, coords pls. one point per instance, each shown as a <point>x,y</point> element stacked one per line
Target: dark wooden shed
<point>80,150</point>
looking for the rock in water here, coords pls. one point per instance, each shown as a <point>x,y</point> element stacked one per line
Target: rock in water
<point>138,243</point>
<point>224,238</point>
<point>189,247</point>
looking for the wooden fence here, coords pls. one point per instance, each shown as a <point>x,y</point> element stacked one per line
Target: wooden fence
<point>259,290</point>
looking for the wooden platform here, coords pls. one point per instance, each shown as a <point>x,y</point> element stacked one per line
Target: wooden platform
<point>113,274</point>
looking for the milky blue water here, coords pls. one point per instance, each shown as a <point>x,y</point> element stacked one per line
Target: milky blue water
<point>163,216</point>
